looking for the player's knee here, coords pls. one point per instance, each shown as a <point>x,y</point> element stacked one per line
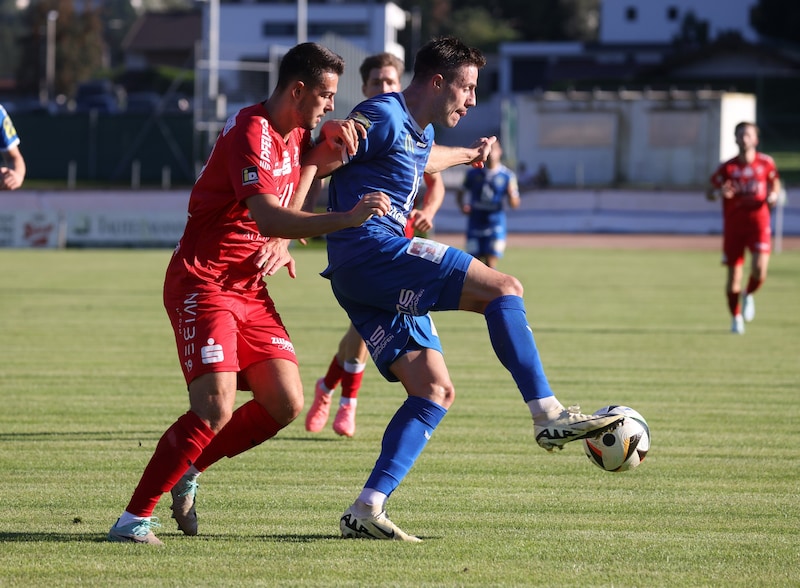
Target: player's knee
<point>511,286</point>
<point>444,394</point>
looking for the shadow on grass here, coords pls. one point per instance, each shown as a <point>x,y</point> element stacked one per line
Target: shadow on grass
<point>41,537</point>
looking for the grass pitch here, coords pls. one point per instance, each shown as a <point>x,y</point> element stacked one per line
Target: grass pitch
<point>89,381</point>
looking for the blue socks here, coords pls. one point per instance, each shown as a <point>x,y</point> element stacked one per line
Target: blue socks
<point>404,439</point>
<point>515,347</point>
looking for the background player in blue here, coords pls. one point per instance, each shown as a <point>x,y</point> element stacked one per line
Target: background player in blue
<point>12,170</point>
<point>388,284</point>
<point>489,189</point>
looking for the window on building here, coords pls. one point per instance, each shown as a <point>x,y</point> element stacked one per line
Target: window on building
<point>631,14</point>
<point>672,13</point>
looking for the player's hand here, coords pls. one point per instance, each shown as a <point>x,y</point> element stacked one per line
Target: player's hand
<point>272,256</point>
<point>9,179</point>
<point>370,204</point>
<point>343,135</point>
<point>727,190</point>
<point>421,220</point>
<point>484,147</point>
<point>772,199</point>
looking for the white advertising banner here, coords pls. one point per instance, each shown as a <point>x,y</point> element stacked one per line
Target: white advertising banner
<point>31,229</point>
<point>124,229</point>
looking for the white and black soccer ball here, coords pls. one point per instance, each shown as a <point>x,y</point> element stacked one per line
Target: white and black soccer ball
<point>622,448</point>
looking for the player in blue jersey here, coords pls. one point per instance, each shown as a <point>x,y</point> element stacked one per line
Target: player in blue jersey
<point>12,169</point>
<point>389,284</point>
<point>489,189</point>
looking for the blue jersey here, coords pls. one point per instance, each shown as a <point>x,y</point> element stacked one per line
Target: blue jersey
<point>8,134</point>
<point>391,160</point>
<point>488,188</point>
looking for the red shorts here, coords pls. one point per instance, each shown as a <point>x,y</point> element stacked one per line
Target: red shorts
<point>754,237</point>
<point>226,331</point>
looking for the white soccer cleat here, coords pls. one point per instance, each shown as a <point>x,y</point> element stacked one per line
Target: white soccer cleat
<point>570,424</point>
<point>737,325</point>
<point>136,532</point>
<point>749,308</point>
<point>358,523</point>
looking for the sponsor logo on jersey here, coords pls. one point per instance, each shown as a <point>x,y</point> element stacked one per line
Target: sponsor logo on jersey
<point>250,175</point>
<point>282,343</point>
<point>360,117</point>
<point>187,330</point>
<point>286,167</point>
<point>265,151</point>
<point>379,340</point>
<point>212,353</point>
<point>408,301</point>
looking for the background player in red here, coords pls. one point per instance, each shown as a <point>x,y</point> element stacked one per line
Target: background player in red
<point>380,74</point>
<point>228,332</point>
<point>748,185</point>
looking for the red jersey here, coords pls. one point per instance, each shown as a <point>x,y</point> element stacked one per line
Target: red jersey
<point>219,241</point>
<point>751,184</point>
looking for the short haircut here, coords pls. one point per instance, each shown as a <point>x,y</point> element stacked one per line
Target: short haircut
<point>744,124</point>
<point>377,62</point>
<point>308,63</point>
<point>445,56</point>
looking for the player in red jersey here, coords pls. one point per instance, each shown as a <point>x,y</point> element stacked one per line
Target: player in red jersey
<point>228,333</point>
<point>748,185</point>
<point>380,74</point>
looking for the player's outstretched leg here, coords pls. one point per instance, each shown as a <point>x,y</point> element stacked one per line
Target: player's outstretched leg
<point>359,522</point>
<point>559,427</point>
<point>513,342</point>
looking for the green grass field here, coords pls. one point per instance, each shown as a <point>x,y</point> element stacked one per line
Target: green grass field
<point>89,381</point>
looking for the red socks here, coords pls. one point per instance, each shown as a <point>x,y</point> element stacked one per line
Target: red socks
<point>733,303</point>
<point>250,425</point>
<point>178,447</point>
<point>351,383</point>
<point>753,284</point>
<point>334,375</point>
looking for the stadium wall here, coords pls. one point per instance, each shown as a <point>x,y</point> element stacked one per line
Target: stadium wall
<point>156,218</point>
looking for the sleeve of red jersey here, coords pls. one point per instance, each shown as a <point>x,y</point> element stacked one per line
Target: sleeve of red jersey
<point>251,157</point>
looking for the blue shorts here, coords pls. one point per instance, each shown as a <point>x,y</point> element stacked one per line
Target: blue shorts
<point>389,290</point>
<point>487,237</point>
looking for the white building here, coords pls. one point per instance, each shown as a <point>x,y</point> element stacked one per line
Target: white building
<point>250,35</point>
<point>660,21</point>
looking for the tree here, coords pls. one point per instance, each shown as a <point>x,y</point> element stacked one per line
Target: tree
<point>777,19</point>
<point>485,24</point>
<point>80,49</point>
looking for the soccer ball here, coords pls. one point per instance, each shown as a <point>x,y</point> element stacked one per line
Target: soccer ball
<point>623,448</point>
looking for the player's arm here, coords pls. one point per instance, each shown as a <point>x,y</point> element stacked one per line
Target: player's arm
<point>273,220</point>
<point>720,189</point>
<point>422,219</point>
<point>773,191</point>
<point>512,192</point>
<point>12,172</point>
<point>442,157</point>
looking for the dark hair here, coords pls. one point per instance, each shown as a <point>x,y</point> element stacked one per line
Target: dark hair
<point>308,63</point>
<point>743,124</point>
<point>446,55</point>
<point>378,61</point>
